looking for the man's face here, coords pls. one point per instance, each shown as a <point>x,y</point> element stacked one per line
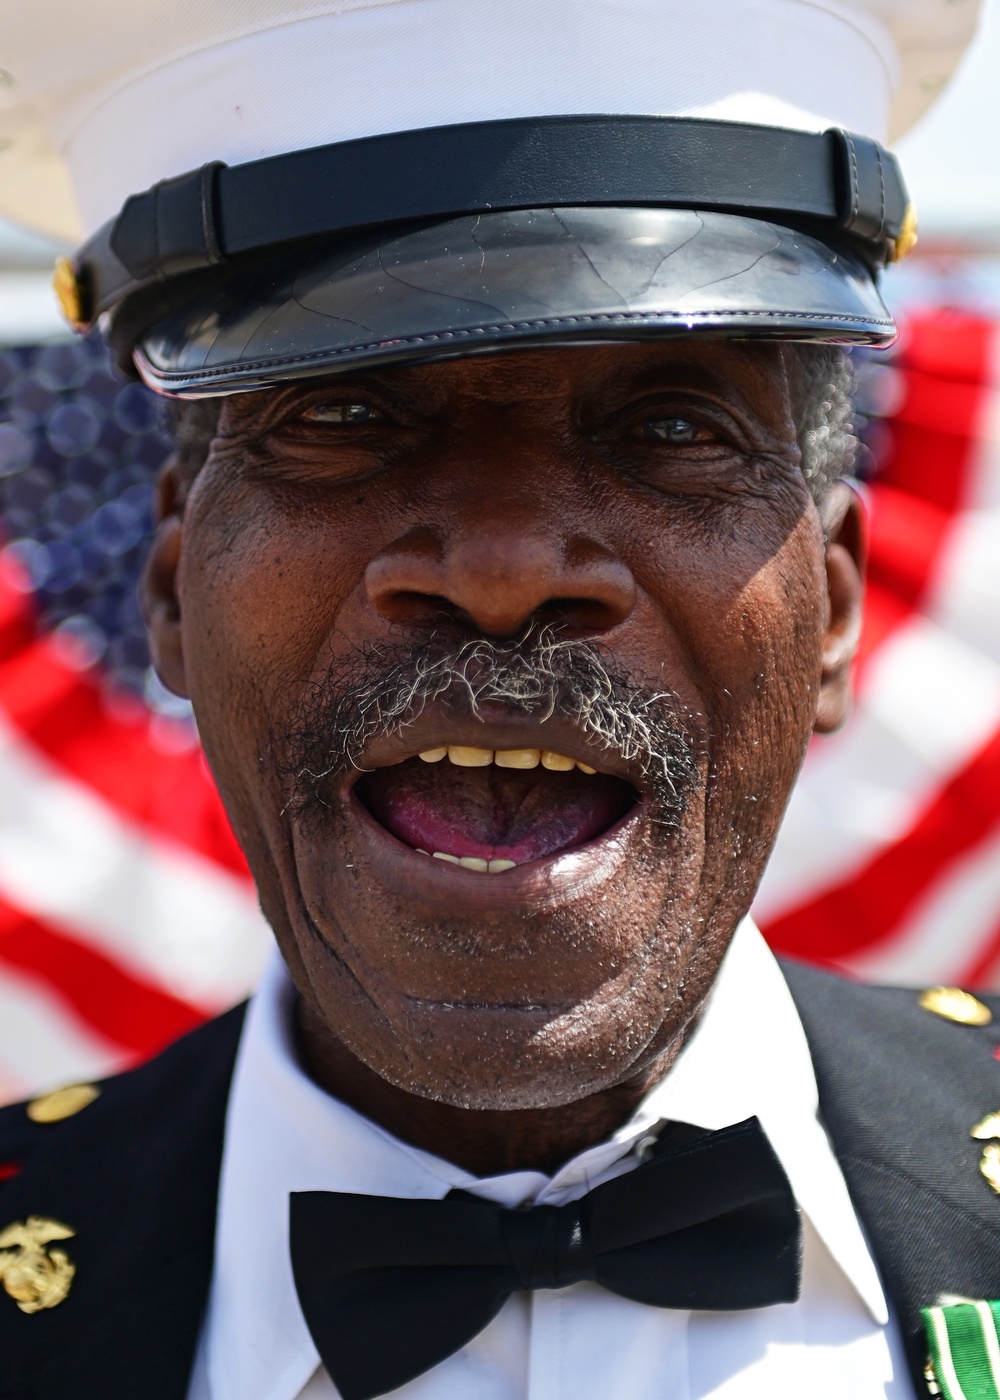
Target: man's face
<point>604,554</point>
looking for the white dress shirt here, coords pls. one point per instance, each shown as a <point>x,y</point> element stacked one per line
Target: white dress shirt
<point>748,1056</point>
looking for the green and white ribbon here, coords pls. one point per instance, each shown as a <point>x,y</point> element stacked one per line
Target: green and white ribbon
<point>964,1350</point>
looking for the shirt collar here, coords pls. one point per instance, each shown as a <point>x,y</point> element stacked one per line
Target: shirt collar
<point>748,1056</point>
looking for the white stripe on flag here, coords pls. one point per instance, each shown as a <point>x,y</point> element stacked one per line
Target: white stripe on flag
<point>929,703</point>
<point>967,599</point>
<point>44,1043</point>
<point>984,492</point>
<point>946,929</point>
<point>163,913</point>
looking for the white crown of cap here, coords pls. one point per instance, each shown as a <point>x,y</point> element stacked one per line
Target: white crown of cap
<point>100,100</point>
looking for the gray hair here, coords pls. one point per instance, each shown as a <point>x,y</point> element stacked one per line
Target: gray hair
<point>823,385</point>
<point>824,389</point>
<point>375,693</point>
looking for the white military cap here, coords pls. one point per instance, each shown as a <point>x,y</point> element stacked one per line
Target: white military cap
<point>270,190</point>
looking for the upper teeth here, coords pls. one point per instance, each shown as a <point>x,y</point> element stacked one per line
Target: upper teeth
<point>466,756</point>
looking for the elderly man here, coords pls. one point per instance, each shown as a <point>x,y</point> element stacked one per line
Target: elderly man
<point>507,561</point>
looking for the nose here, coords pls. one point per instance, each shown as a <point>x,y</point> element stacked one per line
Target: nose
<point>497,577</point>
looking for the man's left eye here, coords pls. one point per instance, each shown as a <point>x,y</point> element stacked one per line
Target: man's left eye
<point>676,431</point>
<point>341,413</point>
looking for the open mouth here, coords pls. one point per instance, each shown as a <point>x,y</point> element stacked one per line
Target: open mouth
<point>491,810</point>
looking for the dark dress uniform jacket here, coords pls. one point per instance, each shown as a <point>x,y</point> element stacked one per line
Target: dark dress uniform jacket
<point>136,1175</point>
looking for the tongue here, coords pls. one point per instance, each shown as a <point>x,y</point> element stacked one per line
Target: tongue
<point>494,813</point>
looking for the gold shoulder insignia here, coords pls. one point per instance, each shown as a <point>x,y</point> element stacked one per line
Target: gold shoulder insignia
<point>987,1130</point>
<point>34,1276</point>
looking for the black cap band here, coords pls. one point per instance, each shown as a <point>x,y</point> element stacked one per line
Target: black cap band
<point>834,185</point>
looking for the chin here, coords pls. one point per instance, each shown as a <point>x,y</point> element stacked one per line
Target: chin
<point>545,982</point>
<point>549,1064</point>
<point>525,1054</point>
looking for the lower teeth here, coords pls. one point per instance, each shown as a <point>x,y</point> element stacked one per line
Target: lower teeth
<point>477,863</point>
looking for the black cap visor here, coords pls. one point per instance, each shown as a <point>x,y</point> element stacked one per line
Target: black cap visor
<point>509,279</point>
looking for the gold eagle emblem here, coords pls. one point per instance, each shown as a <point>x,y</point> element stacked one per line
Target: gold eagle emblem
<point>35,1276</point>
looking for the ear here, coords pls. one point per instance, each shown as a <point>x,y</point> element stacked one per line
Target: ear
<point>161,608</point>
<point>845,526</point>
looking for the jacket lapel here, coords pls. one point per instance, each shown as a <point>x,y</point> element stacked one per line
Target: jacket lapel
<point>136,1176</point>
<point>899,1091</point>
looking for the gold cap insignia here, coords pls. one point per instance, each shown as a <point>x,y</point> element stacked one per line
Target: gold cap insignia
<point>955,1005</point>
<point>906,238</point>
<point>62,1103</point>
<point>70,294</point>
<point>34,1276</point>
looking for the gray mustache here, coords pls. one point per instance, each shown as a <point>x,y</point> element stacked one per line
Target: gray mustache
<point>377,694</point>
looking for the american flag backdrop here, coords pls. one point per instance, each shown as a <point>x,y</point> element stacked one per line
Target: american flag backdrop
<point>126,911</point>
<point>888,864</point>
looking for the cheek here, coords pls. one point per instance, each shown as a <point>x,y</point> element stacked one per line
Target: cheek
<point>746,600</point>
<point>261,593</point>
<point>261,587</point>
<point>767,646</point>
<point>772,707</point>
<point>750,623</point>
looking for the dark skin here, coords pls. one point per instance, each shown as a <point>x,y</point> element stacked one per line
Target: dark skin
<point>645,497</point>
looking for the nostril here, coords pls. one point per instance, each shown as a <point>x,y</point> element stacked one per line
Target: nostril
<point>404,582</point>
<point>409,605</point>
<point>584,615</point>
<point>498,582</point>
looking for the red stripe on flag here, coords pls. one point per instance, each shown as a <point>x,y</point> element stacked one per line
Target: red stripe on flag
<point>864,910</point>
<point>906,539</point>
<point>930,438</point>
<point>17,613</point>
<point>121,1007</point>
<point>982,970</point>
<point>924,475</point>
<point>949,344</point>
<point>923,484</point>
<point>907,534</point>
<point>61,712</point>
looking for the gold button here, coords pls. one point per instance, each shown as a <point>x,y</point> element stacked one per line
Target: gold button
<point>955,1005</point>
<point>62,1103</point>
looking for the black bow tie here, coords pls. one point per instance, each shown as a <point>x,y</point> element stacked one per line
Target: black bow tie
<point>391,1287</point>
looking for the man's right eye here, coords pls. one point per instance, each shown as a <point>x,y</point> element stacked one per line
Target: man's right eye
<point>675,431</point>
<point>341,413</point>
